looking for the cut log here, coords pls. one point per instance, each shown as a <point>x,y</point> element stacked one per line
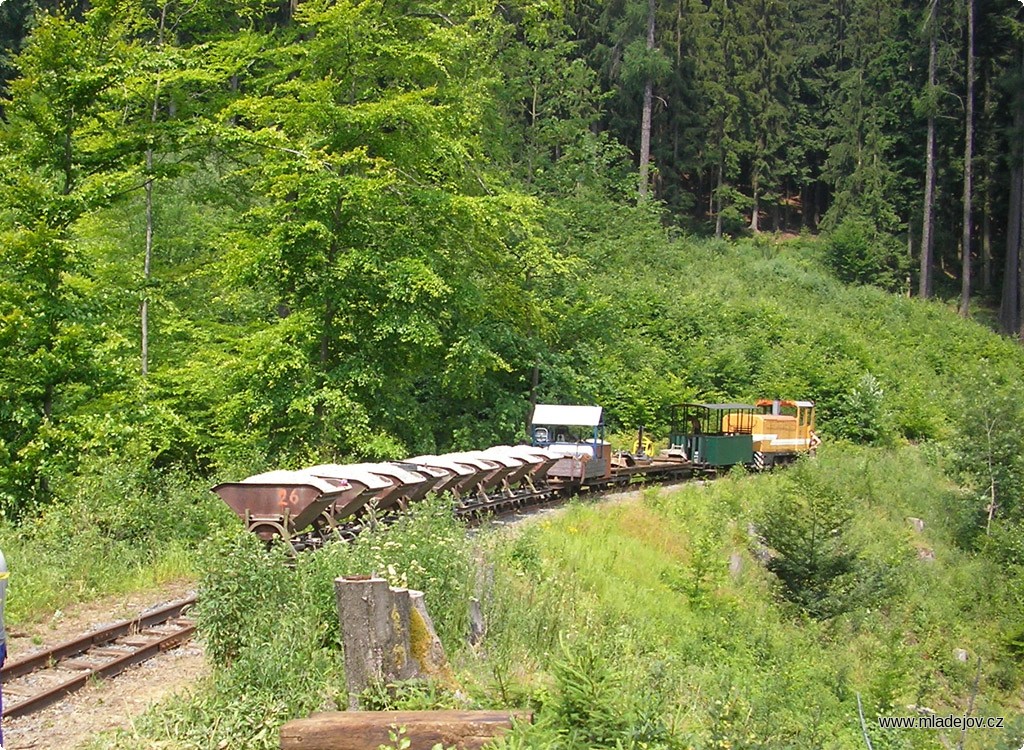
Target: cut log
<point>368,730</point>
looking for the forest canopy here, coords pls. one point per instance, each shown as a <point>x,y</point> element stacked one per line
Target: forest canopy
<point>250,232</point>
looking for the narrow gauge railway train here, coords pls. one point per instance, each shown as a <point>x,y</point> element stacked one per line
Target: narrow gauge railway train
<point>568,454</point>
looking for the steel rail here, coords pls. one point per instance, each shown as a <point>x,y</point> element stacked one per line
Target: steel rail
<point>51,657</point>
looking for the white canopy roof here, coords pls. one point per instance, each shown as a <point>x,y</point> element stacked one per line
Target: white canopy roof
<point>575,416</point>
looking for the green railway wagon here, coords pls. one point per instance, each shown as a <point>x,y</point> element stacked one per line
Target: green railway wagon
<point>707,438</point>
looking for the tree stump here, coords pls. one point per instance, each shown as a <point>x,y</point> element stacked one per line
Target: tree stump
<point>424,645</point>
<point>387,635</point>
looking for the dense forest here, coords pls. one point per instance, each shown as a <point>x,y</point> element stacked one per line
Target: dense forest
<point>241,232</point>
<point>243,235</point>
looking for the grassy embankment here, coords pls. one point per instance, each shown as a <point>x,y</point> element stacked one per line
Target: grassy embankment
<point>655,624</point>
<point>117,528</point>
<point>649,623</point>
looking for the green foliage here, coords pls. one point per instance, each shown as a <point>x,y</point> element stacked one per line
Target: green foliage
<point>860,254</point>
<point>986,452</point>
<point>58,163</point>
<point>117,527</point>
<point>864,416</point>
<point>640,64</point>
<point>368,172</point>
<point>739,324</point>
<point>806,527</point>
<point>244,587</point>
<point>732,667</point>
<point>246,584</point>
<point>371,225</point>
<point>373,222</point>
<point>425,549</point>
<point>270,625</point>
<point>588,706</point>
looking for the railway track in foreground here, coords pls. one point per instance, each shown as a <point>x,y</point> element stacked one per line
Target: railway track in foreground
<point>40,679</point>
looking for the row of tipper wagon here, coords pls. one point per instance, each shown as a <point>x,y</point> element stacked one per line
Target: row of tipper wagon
<point>568,454</point>
<point>309,506</point>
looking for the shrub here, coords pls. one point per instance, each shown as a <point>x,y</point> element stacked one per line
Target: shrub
<point>588,703</point>
<point>241,594</point>
<point>246,583</point>
<point>858,253</point>
<point>424,549</point>
<point>987,451</point>
<point>806,524</point>
<point>863,415</point>
<point>118,526</point>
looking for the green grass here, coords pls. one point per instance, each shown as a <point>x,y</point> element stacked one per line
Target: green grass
<point>642,624</point>
<point>649,585</point>
<point>116,528</point>
<point>271,629</point>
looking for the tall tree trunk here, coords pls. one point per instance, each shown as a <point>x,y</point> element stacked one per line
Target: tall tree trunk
<point>757,208</point>
<point>147,263</point>
<point>910,257</point>
<point>1019,329</point>
<point>924,287</point>
<point>821,199</point>
<point>787,211</point>
<point>1009,315</point>
<point>1009,308</point>
<point>986,239</point>
<point>986,153</point>
<point>965,276</point>
<point>645,124</point>
<point>805,204</point>
<point>327,335</point>
<point>718,201</point>
<point>711,197</point>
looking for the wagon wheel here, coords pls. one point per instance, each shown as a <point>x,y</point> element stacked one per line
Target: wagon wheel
<point>266,529</point>
<point>327,527</point>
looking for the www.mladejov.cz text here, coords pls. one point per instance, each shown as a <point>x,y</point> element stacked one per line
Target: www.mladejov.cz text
<point>940,722</point>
